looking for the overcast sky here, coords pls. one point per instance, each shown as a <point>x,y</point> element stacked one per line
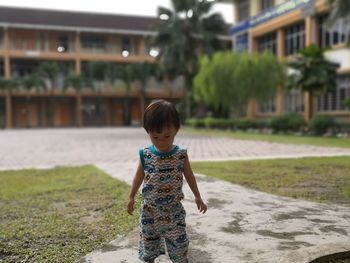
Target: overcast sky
<point>135,7</point>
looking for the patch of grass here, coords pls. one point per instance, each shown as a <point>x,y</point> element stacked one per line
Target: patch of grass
<point>61,214</point>
<point>293,139</point>
<point>316,179</point>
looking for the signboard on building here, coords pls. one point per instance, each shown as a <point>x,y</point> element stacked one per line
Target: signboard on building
<point>271,13</point>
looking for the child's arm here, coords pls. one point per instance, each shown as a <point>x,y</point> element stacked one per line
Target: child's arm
<point>191,180</point>
<point>135,187</point>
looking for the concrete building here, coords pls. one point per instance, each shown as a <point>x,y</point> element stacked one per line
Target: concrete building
<point>284,27</point>
<point>29,37</point>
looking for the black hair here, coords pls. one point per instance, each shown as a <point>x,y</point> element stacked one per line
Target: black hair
<point>160,114</point>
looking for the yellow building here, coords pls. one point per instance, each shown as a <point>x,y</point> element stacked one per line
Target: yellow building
<point>284,27</point>
<point>29,37</point>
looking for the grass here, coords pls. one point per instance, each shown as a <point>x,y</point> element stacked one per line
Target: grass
<point>316,179</point>
<point>308,140</point>
<point>61,214</point>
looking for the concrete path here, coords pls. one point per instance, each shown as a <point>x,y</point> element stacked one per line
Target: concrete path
<point>241,225</point>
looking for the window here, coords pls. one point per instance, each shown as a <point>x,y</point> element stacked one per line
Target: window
<point>243,10</point>
<point>267,107</point>
<point>294,38</point>
<point>330,36</point>
<point>266,4</point>
<point>1,39</point>
<point>333,101</point>
<point>126,45</point>
<point>267,43</point>
<point>21,68</point>
<point>94,43</point>
<point>63,44</point>
<point>241,42</point>
<point>294,101</point>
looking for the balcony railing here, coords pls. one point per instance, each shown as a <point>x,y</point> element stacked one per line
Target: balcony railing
<point>41,46</point>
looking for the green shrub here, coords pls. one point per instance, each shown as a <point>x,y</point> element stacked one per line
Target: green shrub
<point>320,124</point>
<point>287,122</point>
<point>343,126</point>
<point>245,124</point>
<point>195,122</point>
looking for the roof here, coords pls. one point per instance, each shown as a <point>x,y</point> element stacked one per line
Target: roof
<point>75,20</point>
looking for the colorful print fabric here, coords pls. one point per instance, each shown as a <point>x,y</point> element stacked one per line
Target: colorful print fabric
<point>162,217</point>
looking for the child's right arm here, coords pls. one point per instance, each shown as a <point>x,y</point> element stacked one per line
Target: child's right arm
<point>135,187</point>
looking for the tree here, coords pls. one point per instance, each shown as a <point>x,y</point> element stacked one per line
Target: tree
<point>77,82</point>
<point>340,11</point>
<point>187,31</point>
<point>143,72</point>
<point>313,73</point>
<point>229,80</point>
<point>8,84</point>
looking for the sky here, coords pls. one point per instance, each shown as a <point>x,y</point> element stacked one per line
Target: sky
<point>130,7</point>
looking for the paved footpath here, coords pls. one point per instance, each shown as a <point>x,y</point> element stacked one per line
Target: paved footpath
<point>241,225</point>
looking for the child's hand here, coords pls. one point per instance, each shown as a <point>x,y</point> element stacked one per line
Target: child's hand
<point>131,205</point>
<point>202,207</point>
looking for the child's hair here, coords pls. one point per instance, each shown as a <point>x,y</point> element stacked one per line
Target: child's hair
<point>160,114</point>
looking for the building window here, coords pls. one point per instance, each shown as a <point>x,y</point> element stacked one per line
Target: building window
<point>330,36</point>
<point>93,43</point>
<point>243,10</point>
<point>267,43</point>
<point>268,106</point>
<point>293,101</point>
<point>2,69</point>
<point>241,42</point>
<point>63,44</point>
<point>266,4</point>
<point>333,101</point>
<point>294,38</point>
<point>125,46</point>
<point>21,68</point>
<point>1,40</point>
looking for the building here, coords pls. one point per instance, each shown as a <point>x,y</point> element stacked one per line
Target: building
<point>284,27</point>
<point>29,37</point>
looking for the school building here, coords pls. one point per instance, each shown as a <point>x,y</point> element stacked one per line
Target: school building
<point>29,37</point>
<point>284,27</point>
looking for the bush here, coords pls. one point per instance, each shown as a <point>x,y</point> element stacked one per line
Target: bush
<point>195,123</point>
<point>245,124</point>
<point>287,122</point>
<point>211,123</point>
<point>320,124</point>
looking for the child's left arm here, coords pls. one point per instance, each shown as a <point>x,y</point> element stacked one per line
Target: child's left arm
<point>191,180</point>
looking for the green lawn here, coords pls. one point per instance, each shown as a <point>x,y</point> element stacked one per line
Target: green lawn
<point>315,179</point>
<point>59,215</point>
<point>309,140</point>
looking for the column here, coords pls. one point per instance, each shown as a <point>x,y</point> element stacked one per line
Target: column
<point>7,68</point>
<point>251,108</point>
<point>309,39</point>
<point>79,118</point>
<point>280,56</point>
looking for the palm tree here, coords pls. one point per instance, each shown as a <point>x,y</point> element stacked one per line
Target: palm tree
<point>340,9</point>
<point>126,73</point>
<point>313,74</point>
<point>50,70</point>
<point>143,72</point>
<point>186,32</point>
<point>29,83</point>
<point>8,85</point>
<point>78,82</point>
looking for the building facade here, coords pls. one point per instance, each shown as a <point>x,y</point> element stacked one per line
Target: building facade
<point>284,27</point>
<point>75,41</point>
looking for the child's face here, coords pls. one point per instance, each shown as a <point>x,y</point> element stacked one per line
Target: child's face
<point>163,140</point>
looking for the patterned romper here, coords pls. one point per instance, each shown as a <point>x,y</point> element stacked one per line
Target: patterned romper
<point>162,216</point>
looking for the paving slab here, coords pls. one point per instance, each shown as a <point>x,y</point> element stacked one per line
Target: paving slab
<point>241,225</point>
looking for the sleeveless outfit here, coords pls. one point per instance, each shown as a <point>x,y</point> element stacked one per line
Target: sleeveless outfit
<point>162,216</point>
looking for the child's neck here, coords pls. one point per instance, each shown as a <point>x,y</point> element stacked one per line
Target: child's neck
<point>167,150</point>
